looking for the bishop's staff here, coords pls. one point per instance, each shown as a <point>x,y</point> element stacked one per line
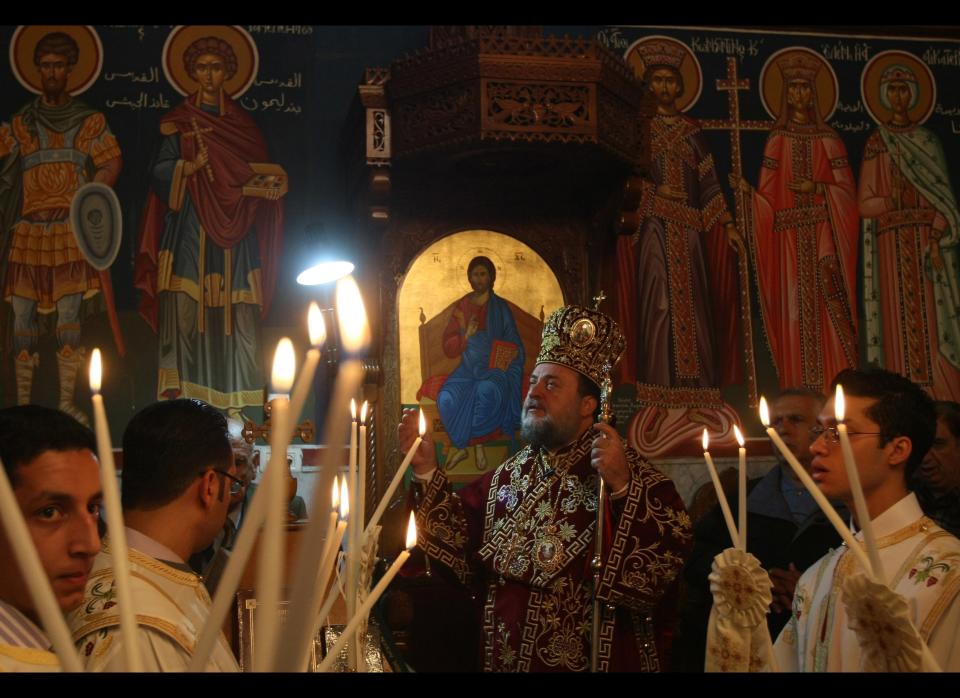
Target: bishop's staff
<point>596,564</point>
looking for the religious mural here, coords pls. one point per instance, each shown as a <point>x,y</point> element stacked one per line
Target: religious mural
<point>212,228</point>
<point>187,239</point>
<point>52,148</point>
<point>843,237</point>
<point>466,358</point>
<point>798,216</point>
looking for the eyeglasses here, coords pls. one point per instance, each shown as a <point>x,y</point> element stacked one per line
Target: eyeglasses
<point>236,484</point>
<point>832,436</point>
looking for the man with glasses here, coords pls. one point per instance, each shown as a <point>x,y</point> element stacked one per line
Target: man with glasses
<point>786,530</point>
<point>891,422</point>
<point>210,562</point>
<point>177,479</point>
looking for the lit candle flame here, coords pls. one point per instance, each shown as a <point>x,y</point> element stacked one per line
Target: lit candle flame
<point>316,326</point>
<point>411,532</point>
<point>283,366</point>
<point>363,412</point>
<point>344,498</point>
<point>839,408</point>
<point>353,409</point>
<point>96,371</point>
<point>706,440</point>
<point>736,432</point>
<point>335,495</point>
<point>351,316</point>
<point>423,423</point>
<point>764,412</point>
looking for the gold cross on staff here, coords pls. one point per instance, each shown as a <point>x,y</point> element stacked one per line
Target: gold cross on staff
<point>733,86</point>
<point>197,133</point>
<point>598,299</point>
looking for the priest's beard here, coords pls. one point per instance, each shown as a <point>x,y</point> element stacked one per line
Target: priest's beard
<point>549,431</point>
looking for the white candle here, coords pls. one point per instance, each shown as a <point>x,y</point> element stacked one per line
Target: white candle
<point>353,530</point>
<point>362,467</point>
<point>397,479</point>
<point>853,475</point>
<point>272,548</point>
<point>114,510</point>
<point>356,337</point>
<point>295,646</point>
<point>373,597</point>
<point>742,489</point>
<point>358,538</point>
<point>31,570</point>
<point>318,335</point>
<point>721,497</point>
<point>812,488</point>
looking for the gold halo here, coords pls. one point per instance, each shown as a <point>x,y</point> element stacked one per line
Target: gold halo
<point>248,59</point>
<point>84,73</point>
<point>771,84</point>
<point>689,69</point>
<point>870,86</point>
<point>489,253</point>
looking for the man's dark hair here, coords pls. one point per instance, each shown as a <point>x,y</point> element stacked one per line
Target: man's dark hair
<point>58,43</point>
<point>485,262</point>
<point>166,446</point>
<point>902,408</point>
<point>27,431</point>
<point>949,412</point>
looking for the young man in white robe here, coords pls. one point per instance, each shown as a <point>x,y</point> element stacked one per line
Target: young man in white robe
<point>891,422</point>
<point>177,479</point>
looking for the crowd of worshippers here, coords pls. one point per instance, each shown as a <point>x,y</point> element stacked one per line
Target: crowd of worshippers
<point>519,536</point>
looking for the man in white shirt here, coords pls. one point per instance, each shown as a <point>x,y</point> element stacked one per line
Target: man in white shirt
<point>49,459</point>
<point>178,475</point>
<point>891,423</point>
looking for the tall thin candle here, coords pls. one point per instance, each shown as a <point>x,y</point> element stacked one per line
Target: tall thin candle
<point>721,497</point>
<point>272,549</point>
<point>742,489</point>
<point>118,537</point>
<point>853,475</point>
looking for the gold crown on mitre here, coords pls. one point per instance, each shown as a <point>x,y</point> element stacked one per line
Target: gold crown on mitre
<point>898,73</point>
<point>799,66</point>
<point>585,340</point>
<point>660,52</point>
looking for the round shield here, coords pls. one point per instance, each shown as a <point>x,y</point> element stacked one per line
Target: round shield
<point>97,224</point>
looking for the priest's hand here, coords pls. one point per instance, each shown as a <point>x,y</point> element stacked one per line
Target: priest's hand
<point>609,458</point>
<point>425,459</point>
